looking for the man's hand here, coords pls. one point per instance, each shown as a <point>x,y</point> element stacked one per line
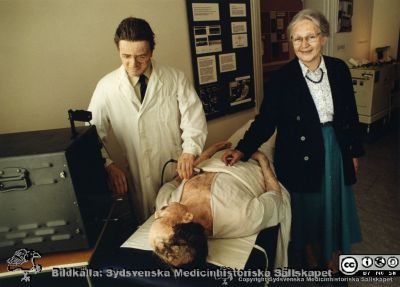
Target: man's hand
<point>210,151</point>
<point>232,156</point>
<point>356,164</point>
<point>117,179</point>
<point>260,157</point>
<point>185,165</point>
<point>219,146</point>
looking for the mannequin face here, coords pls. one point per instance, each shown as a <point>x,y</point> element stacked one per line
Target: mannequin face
<point>161,230</point>
<point>165,219</point>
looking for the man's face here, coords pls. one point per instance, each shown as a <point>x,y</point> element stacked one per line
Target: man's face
<point>135,56</point>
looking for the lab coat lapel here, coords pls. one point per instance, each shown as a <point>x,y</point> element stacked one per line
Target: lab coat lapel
<point>127,90</point>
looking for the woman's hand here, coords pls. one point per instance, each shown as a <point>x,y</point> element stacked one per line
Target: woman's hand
<point>232,156</point>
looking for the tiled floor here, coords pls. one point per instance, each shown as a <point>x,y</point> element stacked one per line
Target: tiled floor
<point>377,194</point>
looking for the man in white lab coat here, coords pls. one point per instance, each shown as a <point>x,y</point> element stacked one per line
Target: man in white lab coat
<point>154,112</point>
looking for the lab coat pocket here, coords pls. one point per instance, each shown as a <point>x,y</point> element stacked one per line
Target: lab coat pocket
<point>168,106</point>
<point>169,124</point>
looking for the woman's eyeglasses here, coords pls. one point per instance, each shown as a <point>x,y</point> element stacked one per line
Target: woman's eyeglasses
<point>309,39</point>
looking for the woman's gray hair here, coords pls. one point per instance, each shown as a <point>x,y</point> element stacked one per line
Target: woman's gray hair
<point>313,15</point>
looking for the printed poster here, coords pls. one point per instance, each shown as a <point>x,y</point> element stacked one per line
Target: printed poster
<point>207,69</point>
<point>205,11</point>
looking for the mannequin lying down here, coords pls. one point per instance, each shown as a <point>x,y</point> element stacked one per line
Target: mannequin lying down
<point>220,202</point>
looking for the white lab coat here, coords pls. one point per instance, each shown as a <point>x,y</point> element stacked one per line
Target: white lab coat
<point>170,120</point>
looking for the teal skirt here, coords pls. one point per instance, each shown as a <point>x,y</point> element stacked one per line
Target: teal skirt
<point>329,218</point>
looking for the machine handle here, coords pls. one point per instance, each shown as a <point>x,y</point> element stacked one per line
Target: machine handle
<point>14,178</point>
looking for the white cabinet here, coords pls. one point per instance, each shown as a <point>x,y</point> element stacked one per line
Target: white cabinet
<point>372,88</point>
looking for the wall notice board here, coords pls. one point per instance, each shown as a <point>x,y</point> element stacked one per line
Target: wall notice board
<point>222,55</point>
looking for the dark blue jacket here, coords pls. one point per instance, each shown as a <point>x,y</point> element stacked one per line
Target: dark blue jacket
<point>288,106</point>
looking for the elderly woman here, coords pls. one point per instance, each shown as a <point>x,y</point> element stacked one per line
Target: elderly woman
<point>310,102</point>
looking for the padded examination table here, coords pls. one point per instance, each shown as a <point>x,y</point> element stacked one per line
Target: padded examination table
<point>255,252</point>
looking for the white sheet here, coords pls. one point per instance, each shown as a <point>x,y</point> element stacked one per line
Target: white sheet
<point>284,216</point>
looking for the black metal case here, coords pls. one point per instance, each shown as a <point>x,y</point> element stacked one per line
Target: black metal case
<point>53,191</point>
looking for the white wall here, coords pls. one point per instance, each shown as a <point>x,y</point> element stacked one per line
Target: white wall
<point>385,26</point>
<point>52,54</point>
<point>376,23</point>
<point>355,44</point>
<point>350,44</point>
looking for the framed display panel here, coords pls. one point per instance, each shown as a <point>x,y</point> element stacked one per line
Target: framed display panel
<point>275,40</point>
<point>345,13</point>
<point>275,18</point>
<point>222,55</point>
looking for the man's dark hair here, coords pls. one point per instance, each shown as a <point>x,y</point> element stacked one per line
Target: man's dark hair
<point>134,29</point>
<point>191,240</point>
